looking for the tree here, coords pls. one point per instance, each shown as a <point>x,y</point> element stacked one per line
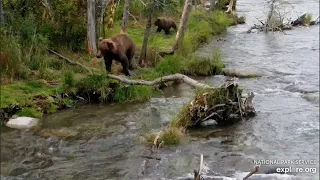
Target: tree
<point>182,25</point>
<point>1,14</point>
<point>125,16</point>
<point>102,16</point>
<point>111,12</point>
<point>143,53</point>
<point>212,4</point>
<point>92,48</point>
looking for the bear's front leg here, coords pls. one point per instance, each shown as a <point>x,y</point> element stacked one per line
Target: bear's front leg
<point>108,63</point>
<point>158,29</point>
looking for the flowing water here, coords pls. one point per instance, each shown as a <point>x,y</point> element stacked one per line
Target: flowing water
<point>286,126</point>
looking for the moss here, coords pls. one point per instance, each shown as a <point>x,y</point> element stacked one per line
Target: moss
<point>30,112</point>
<point>22,93</point>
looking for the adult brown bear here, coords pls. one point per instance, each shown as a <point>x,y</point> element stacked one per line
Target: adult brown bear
<point>165,24</point>
<point>120,48</point>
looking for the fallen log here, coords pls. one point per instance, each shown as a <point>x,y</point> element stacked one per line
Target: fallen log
<point>174,77</point>
<point>161,80</point>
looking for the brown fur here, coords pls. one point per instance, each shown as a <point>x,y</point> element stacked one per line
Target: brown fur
<point>165,24</point>
<point>120,48</point>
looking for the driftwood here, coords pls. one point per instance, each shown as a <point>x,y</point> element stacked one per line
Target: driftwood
<point>255,170</point>
<point>161,80</point>
<point>300,21</point>
<point>197,173</point>
<point>224,105</point>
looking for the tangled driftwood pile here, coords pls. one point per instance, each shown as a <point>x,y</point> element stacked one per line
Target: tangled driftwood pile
<point>281,26</point>
<point>224,105</point>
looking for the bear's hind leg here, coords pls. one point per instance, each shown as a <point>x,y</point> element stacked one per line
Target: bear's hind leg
<point>125,65</point>
<point>130,55</point>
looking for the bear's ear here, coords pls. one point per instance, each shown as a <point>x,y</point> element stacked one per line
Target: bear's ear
<point>110,44</point>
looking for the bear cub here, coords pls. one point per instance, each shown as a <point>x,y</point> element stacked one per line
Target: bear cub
<point>165,24</point>
<point>120,48</point>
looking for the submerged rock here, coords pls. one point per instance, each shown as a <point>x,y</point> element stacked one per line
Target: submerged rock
<point>241,72</point>
<point>22,122</point>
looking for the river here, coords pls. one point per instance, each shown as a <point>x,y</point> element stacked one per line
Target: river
<point>286,126</point>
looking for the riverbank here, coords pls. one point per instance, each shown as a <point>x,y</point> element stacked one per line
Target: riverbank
<point>59,85</point>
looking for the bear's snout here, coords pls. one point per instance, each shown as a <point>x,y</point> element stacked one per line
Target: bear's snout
<point>98,56</point>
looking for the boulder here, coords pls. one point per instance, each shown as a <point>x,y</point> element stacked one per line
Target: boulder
<point>22,122</point>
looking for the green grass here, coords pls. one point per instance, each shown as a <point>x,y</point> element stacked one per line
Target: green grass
<point>126,93</point>
<point>22,93</point>
<point>308,19</point>
<point>30,112</point>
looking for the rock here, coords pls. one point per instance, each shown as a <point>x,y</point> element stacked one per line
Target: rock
<point>209,122</point>
<point>18,171</point>
<point>63,133</point>
<point>241,72</point>
<point>22,122</point>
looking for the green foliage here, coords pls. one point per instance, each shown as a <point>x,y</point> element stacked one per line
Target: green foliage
<point>68,79</point>
<point>203,66</point>
<point>29,112</point>
<point>169,65</point>
<point>181,119</point>
<point>172,136</point>
<point>11,55</point>
<point>307,20</point>
<point>126,93</point>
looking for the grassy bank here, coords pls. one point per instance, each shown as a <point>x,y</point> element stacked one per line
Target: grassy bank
<point>36,82</point>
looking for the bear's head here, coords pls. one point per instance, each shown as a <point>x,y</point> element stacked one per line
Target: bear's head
<point>157,22</point>
<point>106,46</point>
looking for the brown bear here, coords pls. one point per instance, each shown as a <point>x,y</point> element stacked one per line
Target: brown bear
<point>120,48</point>
<point>165,24</point>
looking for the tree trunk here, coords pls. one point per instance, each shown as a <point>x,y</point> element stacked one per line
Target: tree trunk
<point>212,4</point>
<point>1,14</point>
<point>143,53</point>
<point>125,16</point>
<point>182,25</point>
<point>102,16</point>
<point>92,47</point>
<point>112,12</point>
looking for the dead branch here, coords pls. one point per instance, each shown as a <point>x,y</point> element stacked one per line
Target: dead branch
<point>71,61</point>
<point>161,80</point>
<point>197,174</point>
<point>256,169</point>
